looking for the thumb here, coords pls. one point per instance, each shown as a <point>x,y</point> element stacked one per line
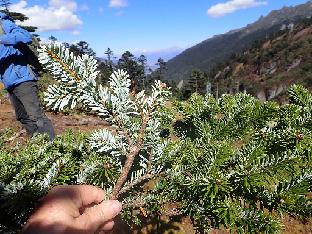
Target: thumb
<point>93,218</point>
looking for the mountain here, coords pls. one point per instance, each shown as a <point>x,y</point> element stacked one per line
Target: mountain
<point>207,54</point>
<point>270,66</point>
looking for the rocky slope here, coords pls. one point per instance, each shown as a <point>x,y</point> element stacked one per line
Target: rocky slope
<point>208,53</point>
<point>271,65</point>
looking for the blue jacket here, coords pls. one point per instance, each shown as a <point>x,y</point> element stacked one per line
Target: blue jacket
<point>13,64</point>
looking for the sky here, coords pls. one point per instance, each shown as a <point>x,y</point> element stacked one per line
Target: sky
<point>151,27</point>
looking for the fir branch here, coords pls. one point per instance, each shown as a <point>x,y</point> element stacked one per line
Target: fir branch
<point>133,152</point>
<point>64,65</point>
<point>138,181</point>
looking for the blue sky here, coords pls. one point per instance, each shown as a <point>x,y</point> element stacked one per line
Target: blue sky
<point>143,26</point>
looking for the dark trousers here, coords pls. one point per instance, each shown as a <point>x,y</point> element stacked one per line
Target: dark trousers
<point>24,98</point>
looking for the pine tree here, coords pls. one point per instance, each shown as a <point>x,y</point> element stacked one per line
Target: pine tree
<point>82,47</point>
<point>109,53</point>
<point>52,38</point>
<point>197,81</point>
<point>142,76</point>
<point>106,67</point>
<point>4,4</point>
<point>129,63</point>
<point>160,72</point>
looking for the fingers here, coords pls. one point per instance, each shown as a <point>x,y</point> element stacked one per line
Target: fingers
<point>89,194</point>
<point>79,195</point>
<point>99,216</point>
<point>107,226</point>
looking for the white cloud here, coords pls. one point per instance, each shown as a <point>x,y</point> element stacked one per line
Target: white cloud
<point>70,5</point>
<point>118,3</point>
<point>57,16</point>
<point>230,6</point>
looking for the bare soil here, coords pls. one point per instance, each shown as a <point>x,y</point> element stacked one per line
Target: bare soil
<point>61,122</point>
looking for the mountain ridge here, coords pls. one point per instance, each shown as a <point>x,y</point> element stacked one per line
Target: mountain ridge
<point>212,51</point>
<point>268,68</point>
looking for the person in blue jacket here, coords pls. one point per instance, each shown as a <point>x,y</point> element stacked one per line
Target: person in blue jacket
<point>19,79</point>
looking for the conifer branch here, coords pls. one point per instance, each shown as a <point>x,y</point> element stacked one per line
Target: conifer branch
<point>138,181</point>
<point>66,67</point>
<point>133,152</point>
<point>114,103</point>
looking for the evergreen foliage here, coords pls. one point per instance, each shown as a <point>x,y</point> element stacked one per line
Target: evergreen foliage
<point>28,172</point>
<point>197,81</point>
<point>80,48</point>
<point>16,16</point>
<point>240,163</point>
<point>135,67</point>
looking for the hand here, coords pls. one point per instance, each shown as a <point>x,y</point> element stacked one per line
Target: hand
<point>73,209</point>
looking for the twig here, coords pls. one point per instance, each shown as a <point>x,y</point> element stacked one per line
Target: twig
<point>126,134</point>
<point>139,181</point>
<point>67,68</point>
<point>134,150</point>
<point>136,182</point>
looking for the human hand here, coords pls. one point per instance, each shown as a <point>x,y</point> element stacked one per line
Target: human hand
<point>71,209</point>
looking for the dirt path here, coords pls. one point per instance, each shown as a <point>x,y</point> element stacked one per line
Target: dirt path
<point>60,122</point>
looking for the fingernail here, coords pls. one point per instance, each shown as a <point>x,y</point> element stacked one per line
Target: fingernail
<point>116,205</point>
<point>113,204</point>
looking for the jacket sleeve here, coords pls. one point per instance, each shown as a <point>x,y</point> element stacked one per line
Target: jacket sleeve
<point>14,34</point>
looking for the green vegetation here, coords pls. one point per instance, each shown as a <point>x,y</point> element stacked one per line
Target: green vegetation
<point>234,164</point>
<point>26,172</point>
<point>239,164</point>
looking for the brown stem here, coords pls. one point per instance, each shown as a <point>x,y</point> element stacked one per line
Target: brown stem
<point>136,182</point>
<point>134,150</point>
<point>125,171</point>
<point>126,134</point>
<point>67,68</point>
<point>140,180</point>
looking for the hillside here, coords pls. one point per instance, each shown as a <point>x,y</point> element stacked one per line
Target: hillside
<point>208,53</point>
<point>271,65</point>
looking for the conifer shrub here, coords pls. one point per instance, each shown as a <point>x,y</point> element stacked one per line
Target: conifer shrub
<point>241,163</point>
<point>232,163</point>
<point>28,172</point>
